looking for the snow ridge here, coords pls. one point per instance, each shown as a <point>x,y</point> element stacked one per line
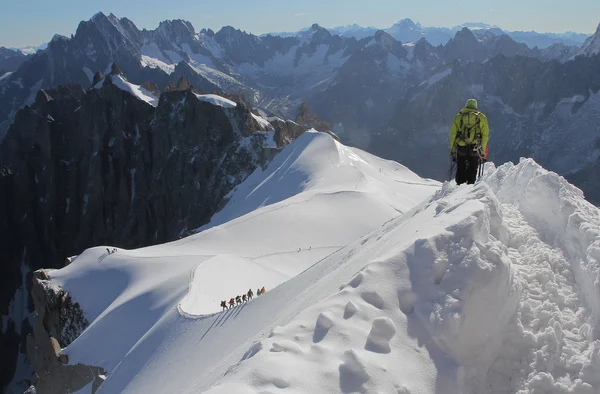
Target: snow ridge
<point>137,91</point>
<point>491,288</point>
<point>480,299</point>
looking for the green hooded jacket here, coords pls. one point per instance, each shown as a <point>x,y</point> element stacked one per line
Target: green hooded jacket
<point>467,116</point>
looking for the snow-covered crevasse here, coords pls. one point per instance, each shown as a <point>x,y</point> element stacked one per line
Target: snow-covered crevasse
<point>491,289</point>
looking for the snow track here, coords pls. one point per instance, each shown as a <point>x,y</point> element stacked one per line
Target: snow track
<point>546,343</point>
<point>551,344</point>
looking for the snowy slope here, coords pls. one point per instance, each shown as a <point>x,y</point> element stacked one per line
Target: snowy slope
<point>136,90</point>
<point>484,289</point>
<point>314,198</point>
<point>479,290</point>
<point>216,100</point>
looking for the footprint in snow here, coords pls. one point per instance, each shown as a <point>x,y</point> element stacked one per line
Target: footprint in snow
<point>357,280</point>
<point>406,300</point>
<point>382,332</point>
<point>324,323</point>
<point>349,310</point>
<point>353,374</point>
<point>373,298</point>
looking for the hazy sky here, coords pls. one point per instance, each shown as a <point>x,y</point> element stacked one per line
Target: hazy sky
<point>31,22</point>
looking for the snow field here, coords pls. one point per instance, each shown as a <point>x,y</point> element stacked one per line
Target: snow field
<point>150,304</point>
<point>490,304</point>
<point>423,309</point>
<point>491,288</point>
<point>216,100</point>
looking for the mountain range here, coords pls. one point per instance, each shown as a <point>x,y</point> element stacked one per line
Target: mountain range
<point>408,31</point>
<point>373,90</point>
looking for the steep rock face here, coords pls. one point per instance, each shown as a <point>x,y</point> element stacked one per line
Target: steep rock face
<point>10,60</point>
<point>57,322</point>
<point>309,120</point>
<point>83,168</point>
<point>591,46</point>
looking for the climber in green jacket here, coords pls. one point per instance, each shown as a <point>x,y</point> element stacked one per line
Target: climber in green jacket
<point>469,137</point>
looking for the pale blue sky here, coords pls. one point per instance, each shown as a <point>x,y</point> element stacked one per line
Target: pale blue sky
<point>31,22</point>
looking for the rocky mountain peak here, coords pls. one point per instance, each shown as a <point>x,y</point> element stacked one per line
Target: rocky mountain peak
<point>229,35</point>
<point>42,97</point>
<point>115,70</point>
<point>591,46</point>
<point>98,17</point>
<point>207,32</point>
<point>57,38</point>
<point>319,33</point>
<point>406,23</point>
<point>176,30</point>
<point>465,35</point>
<point>97,78</point>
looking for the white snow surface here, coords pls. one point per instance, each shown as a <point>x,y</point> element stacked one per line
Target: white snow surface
<point>374,285</point>
<point>136,90</point>
<point>217,100</point>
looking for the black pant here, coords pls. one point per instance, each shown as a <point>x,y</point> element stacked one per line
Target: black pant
<point>467,166</point>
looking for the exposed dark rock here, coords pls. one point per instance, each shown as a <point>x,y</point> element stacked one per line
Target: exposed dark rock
<point>309,119</point>
<point>97,78</point>
<point>10,60</point>
<point>58,321</point>
<point>61,317</point>
<point>115,70</point>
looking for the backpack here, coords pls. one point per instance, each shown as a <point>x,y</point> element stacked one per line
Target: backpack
<point>469,130</point>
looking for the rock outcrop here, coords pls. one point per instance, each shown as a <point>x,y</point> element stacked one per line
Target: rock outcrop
<point>58,320</point>
<point>308,119</point>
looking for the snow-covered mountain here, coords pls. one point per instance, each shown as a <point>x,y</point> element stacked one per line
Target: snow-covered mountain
<point>31,49</point>
<point>354,30</point>
<point>377,281</point>
<point>408,31</point>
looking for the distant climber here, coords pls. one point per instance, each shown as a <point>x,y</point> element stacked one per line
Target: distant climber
<point>107,251</point>
<point>257,292</point>
<point>244,298</point>
<point>30,390</point>
<point>224,305</point>
<point>250,294</point>
<point>238,300</point>
<point>231,303</point>
<point>262,291</point>
<point>469,137</point>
